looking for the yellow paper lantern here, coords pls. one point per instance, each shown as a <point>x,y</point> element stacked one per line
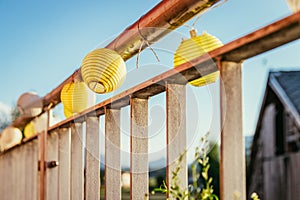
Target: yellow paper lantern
<point>29,130</point>
<point>194,47</point>
<point>294,5</point>
<point>103,70</point>
<point>76,97</point>
<point>30,104</point>
<point>10,136</point>
<point>68,113</point>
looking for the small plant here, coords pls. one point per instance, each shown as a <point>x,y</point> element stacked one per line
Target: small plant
<point>254,196</point>
<point>194,190</point>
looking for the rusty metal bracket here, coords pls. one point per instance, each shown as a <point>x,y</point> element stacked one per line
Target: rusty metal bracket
<point>48,164</point>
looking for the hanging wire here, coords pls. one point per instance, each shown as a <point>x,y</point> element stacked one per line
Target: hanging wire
<point>144,40</point>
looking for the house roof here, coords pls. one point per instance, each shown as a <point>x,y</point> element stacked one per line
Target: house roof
<point>286,85</point>
<point>290,83</point>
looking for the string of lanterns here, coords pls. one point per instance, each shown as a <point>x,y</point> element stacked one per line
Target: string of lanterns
<point>29,105</point>
<point>103,70</point>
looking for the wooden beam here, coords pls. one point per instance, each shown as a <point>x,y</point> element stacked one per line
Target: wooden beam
<point>176,133</point>
<point>232,165</point>
<point>139,186</point>
<point>112,154</point>
<point>92,173</point>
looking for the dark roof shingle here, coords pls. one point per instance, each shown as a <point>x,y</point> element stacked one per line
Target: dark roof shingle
<point>290,83</point>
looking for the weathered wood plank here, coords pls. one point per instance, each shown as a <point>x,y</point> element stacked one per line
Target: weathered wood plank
<point>92,185</point>
<point>232,165</point>
<point>274,179</point>
<point>139,182</point>
<point>64,168</point>
<point>176,132</point>
<point>21,163</point>
<point>77,162</point>
<point>268,135</point>
<point>112,154</point>
<point>52,173</point>
<point>292,177</point>
<point>32,165</point>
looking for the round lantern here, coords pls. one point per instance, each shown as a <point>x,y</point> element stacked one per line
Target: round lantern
<point>30,104</point>
<point>29,130</point>
<point>68,113</point>
<point>10,137</point>
<point>76,97</point>
<point>294,5</point>
<point>103,70</point>
<point>194,47</point>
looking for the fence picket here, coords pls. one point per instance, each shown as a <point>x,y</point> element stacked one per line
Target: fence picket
<point>112,154</point>
<point>92,186</point>
<point>139,185</point>
<point>77,162</point>
<point>64,163</point>
<point>176,132</point>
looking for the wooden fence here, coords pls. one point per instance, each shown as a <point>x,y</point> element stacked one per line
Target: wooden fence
<point>29,171</point>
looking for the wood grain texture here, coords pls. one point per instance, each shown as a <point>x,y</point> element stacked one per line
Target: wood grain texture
<point>92,174</point>
<point>52,173</point>
<point>232,165</point>
<point>292,181</point>
<point>64,168</point>
<point>77,162</point>
<point>176,132</point>
<point>112,154</point>
<point>274,179</point>
<point>139,176</point>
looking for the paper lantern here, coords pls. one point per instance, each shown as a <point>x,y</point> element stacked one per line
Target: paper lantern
<point>10,137</point>
<point>103,70</point>
<point>68,113</point>
<point>30,104</point>
<point>194,47</point>
<point>294,5</point>
<point>76,97</point>
<point>29,130</point>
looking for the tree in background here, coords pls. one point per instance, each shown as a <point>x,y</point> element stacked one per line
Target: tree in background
<point>7,115</point>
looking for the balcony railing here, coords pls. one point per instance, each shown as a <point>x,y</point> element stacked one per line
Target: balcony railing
<point>28,172</point>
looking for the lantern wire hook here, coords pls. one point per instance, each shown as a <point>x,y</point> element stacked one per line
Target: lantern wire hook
<point>144,40</point>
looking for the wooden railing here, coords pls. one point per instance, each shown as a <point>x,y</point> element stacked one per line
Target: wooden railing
<point>28,173</point>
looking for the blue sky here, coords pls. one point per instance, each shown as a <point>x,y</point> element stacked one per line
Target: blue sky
<point>43,42</point>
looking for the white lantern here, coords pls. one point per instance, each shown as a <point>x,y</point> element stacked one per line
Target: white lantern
<point>10,137</point>
<point>294,5</point>
<point>30,104</point>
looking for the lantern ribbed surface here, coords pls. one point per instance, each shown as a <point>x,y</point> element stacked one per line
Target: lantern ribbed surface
<point>103,70</point>
<point>76,97</point>
<point>194,47</point>
<point>10,137</point>
<point>30,104</point>
<point>29,130</point>
<point>68,113</point>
